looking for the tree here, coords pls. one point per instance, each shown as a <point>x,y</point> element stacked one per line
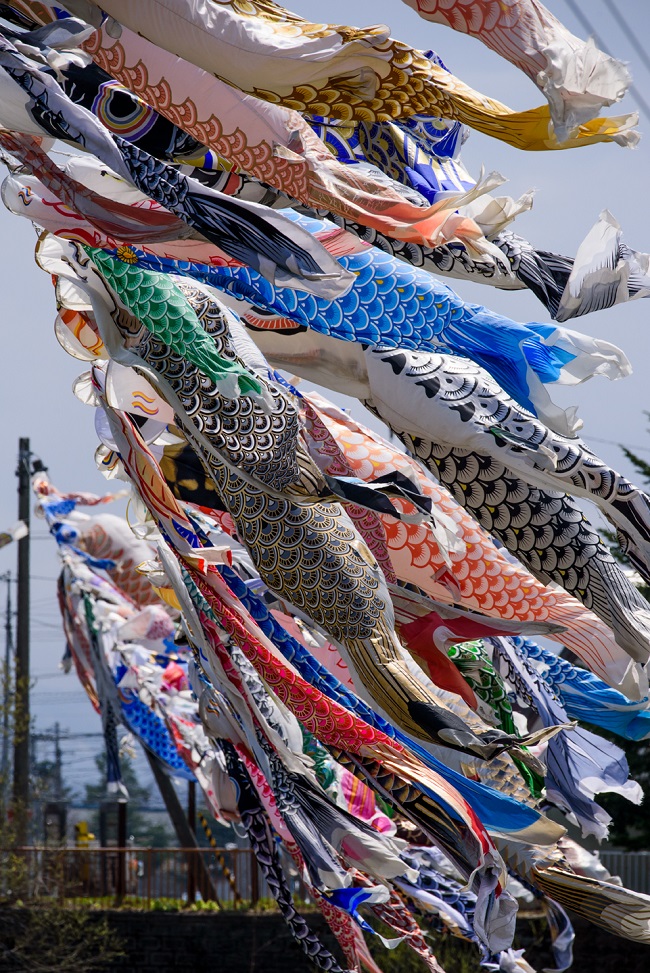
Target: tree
<point>52,939</point>
<point>630,828</point>
<point>147,833</point>
<point>45,784</point>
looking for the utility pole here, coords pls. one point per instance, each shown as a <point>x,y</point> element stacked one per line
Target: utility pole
<point>6,694</point>
<point>58,764</point>
<point>22,675</point>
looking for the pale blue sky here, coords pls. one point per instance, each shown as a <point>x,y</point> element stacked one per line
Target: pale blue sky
<point>572,189</point>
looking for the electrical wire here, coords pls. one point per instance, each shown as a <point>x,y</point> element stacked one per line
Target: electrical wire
<point>69,696</point>
<point>629,33</point>
<point>589,27</point>
<point>55,699</point>
<point>64,735</point>
<point>612,442</point>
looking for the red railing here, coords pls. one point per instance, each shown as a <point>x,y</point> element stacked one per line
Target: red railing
<point>143,877</point>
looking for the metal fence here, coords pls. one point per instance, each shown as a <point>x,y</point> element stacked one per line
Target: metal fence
<point>149,877</point>
<point>144,877</point>
<point>632,867</point>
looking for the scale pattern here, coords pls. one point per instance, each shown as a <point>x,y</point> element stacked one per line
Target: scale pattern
<point>310,554</point>
<point>367,74</point>
<point>545,530</point>
<point>467,409</point>
<point>393,304</point>
<point>161,306</point>
<point>263,442</point>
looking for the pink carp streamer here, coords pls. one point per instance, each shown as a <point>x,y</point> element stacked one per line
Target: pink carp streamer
<point>479,574</point>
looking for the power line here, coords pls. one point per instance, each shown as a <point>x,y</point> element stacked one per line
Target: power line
<point>629,33</point>
<point>61,695</point>
<point>612,442</point>
<point>56,700</point>
<point>84,749</point>
<point>66,735</point>
<point>93,806</point>
<point>589,27</point>
<point>72,760</point>
<point>38,577</point>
